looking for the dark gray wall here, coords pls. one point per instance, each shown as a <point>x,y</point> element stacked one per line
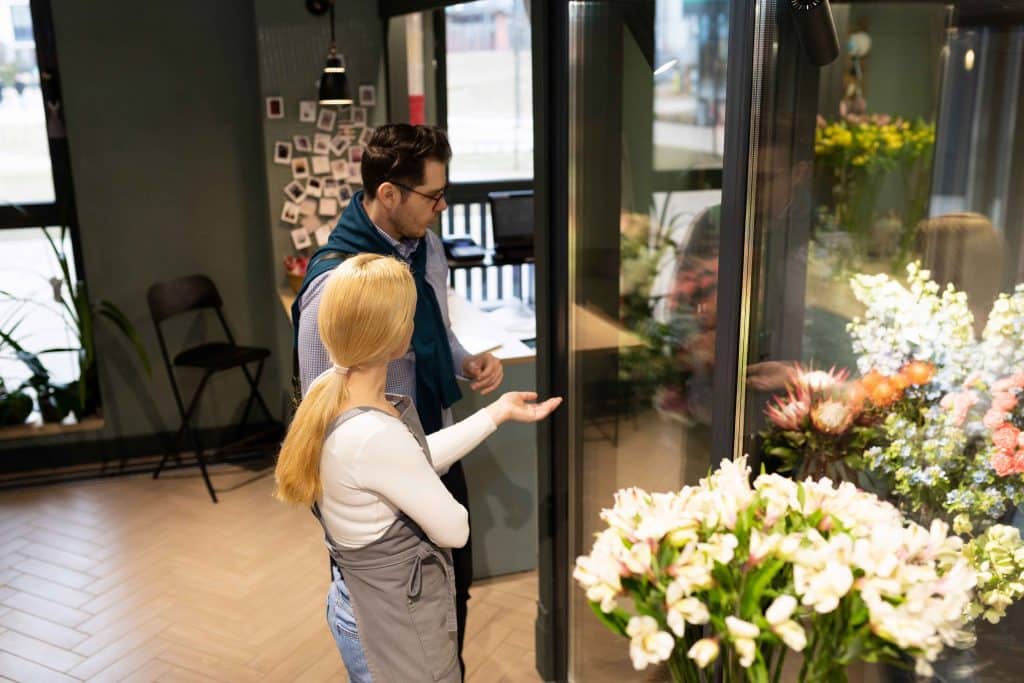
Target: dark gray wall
<point>163,113</point>
<point>293,48</point>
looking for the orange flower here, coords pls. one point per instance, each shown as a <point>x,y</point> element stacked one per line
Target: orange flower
<point>900,381</point>
<point>884,393</point>
<point>871,380</point>
<point>918,372</point>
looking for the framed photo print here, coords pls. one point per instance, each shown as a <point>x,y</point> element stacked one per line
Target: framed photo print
<point>295,191</point>
<point>314,187</point>
<point>321,144</point>
<point>355,173</point>
<point>345,194</point>
<point>307,111</point>
<point>345,115</point>
<point>308,206</point>
<point>338,144</point>
<point>330,187</point>
<point>321,165</point>
<point>359,116</point>
<point>328,206</point>
<point>275,107</point>
<point>300,168</point>
<point>311,222</point>
<point>367,96</point>
<point>282,152</point>
<point>364,137</point>
<point>339,169</point>
<point>300,238</point>
<point>325,121</point>
<point>290,213</point>
<point>302,143</point>
<point>355,154</point>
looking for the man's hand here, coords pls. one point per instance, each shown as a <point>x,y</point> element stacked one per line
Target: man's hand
<point>485,371</point>
<point>769,375</point>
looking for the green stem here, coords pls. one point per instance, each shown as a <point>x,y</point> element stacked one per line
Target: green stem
<point>778,664</point>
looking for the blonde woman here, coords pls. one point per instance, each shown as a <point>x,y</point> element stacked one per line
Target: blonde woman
<point>360,457</point>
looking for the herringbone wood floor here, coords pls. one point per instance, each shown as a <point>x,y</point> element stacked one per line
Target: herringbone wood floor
<point>132,579</point>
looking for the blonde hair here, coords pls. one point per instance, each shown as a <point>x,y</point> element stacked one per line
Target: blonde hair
<point>366,316</point>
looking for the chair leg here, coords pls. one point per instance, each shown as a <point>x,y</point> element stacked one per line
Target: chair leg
<point>254,386</point>
<point>253,393</point>
<point>206,476</point>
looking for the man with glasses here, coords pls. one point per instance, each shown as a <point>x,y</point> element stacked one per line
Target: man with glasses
<point>404,171</point>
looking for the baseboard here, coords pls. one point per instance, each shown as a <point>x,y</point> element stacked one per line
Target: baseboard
<point>128,455</point>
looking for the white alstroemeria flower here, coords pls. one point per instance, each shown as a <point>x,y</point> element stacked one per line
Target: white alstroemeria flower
<point>704,651</point>
<point>630,506</point>
<point>761,546</point>
<point>744,636</point>
<point>721,547</point>
<point>792,635</point>
<point>826,588</point>
<point>732,480</point>
<point>778,617</point>
<point>598,574</point>
<point>780,610</point>
<point>780,496</point>
<point>638,558</point>
<point>648,644</point>
<point>685,611</point>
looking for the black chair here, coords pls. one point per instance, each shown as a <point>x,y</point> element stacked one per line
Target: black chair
<point>196,293</point>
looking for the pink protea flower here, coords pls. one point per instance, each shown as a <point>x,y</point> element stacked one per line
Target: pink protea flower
<point>1002,463</point>
<point>1018,462</point>
<point>790,411</point>
<point>1005,438</point>
<point>818,380</point>
<point>960,402</point>
<point>994,419</point>
<point>832,417</point>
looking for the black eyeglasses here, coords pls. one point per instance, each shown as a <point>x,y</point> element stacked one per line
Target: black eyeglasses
<point>436,198</point>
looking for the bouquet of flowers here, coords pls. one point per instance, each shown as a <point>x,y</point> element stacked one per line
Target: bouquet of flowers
<point>743,573</point>
<point>295,269</point>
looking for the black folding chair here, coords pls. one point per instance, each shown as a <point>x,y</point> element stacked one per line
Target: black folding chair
<point>196,293</point>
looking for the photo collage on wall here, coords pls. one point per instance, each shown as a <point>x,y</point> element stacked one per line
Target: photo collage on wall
<point>325,158</point>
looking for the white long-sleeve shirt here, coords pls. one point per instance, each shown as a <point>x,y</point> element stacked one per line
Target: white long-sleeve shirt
<point>372,468</point>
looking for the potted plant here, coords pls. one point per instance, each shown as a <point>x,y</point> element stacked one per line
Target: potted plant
<point>15,405</point>
<point>80,315</point>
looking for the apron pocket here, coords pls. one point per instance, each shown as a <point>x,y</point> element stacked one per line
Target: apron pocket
<point>428,609</point>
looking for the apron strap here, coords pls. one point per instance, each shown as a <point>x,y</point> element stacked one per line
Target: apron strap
<point>415,581</point>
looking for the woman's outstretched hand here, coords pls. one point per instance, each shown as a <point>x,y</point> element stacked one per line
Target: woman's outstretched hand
<point>521,406</point>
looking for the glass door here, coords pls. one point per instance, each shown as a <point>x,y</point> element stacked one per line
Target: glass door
<point>879,182</point>
<point>646,127</point>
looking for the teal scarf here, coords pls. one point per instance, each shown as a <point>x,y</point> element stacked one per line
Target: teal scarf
<point>436,388</point>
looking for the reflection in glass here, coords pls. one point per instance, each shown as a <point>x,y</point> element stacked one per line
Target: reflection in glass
<point>643,269</point>
<point>906,158</point>
<point>25,173</point>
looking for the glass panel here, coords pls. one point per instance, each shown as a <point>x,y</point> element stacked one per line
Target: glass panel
<point>642,287</point>
<point>866,173</point>
<point>26,176</point>
<point>489,82</point>
<point>28,311</point>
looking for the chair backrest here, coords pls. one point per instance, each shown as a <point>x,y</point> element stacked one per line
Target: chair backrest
<point>174,297</point>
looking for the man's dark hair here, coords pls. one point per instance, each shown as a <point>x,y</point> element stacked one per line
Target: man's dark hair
<point>399,151</point>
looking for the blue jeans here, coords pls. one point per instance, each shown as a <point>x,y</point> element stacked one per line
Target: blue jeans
<point>342,622</point>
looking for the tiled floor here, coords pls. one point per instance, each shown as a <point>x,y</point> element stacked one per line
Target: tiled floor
<point>132,579</point>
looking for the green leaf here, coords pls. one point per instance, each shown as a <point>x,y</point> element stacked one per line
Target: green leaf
<point>755,586</point>
<point>613,622</point>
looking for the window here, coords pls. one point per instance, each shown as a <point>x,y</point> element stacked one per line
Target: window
<point>489,90</point>
<point>26,176</point>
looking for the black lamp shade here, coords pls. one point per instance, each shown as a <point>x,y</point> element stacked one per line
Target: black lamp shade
<point>334,84</point>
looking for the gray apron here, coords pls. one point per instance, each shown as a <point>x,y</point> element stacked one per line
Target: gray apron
<point>402,588</point>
